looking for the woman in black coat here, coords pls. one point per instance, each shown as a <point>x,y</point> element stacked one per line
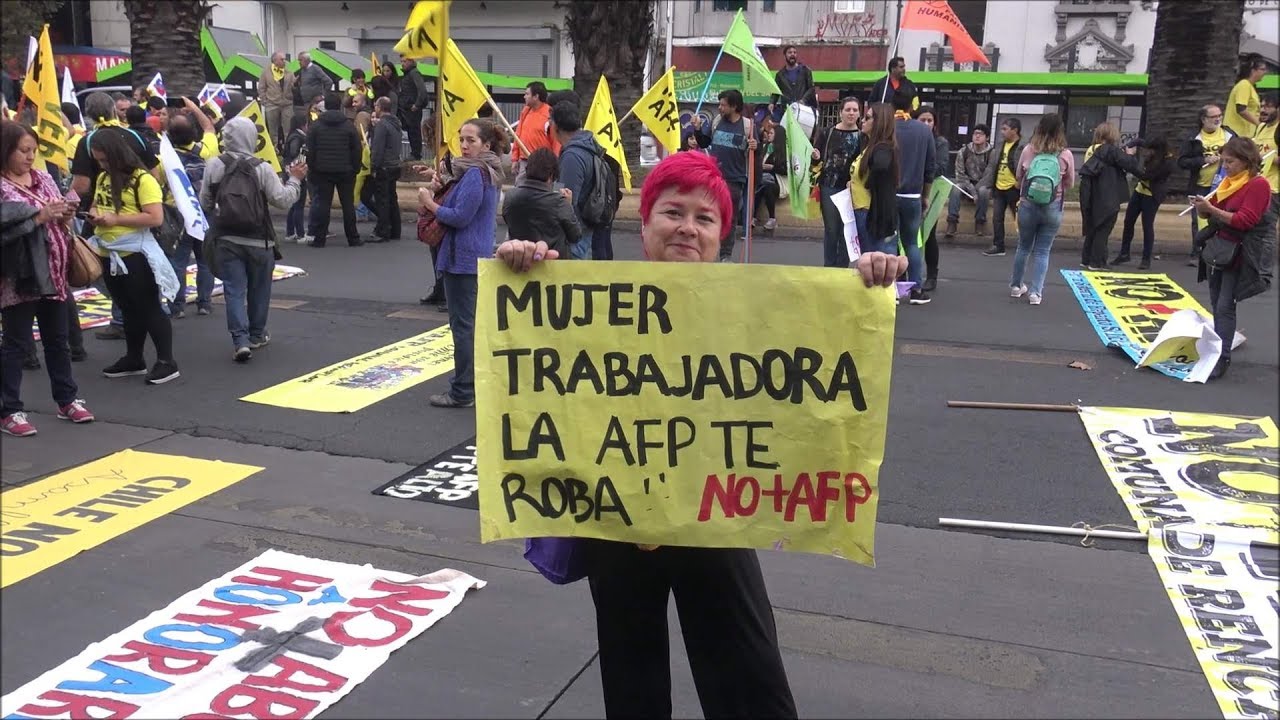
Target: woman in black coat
<point>1103,186</point>
<point>1153,185</point>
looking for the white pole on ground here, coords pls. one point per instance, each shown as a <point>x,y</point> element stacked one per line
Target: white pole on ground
<point>1046,529</point>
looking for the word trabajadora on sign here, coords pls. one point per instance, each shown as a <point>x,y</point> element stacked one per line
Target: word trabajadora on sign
<point>643,404</point>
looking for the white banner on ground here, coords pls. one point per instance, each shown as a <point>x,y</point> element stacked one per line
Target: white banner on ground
<point>281,636</point>
<point>1186,334</point>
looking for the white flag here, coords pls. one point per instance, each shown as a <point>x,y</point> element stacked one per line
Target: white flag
<point>33,46</point>
<point>156,88</point>
<point>68,86</point>
<point>185,195</point>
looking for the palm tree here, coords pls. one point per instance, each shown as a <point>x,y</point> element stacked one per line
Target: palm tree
<point>612,38</point>
<point>164,36</point>
<point>1194,57</point>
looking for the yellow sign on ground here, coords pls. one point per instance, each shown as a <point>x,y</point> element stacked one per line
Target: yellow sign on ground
<point>1180,468</point>
<point>363,380</point>
<point>48,521</point>
<point>682,404</point>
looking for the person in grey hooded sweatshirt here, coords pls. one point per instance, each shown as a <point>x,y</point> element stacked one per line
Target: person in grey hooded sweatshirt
<point>578,150</point>
<point>384,159</point>
<point>245,259</point>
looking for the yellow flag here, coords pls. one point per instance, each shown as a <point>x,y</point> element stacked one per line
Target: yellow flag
<point>657,110</point>
<point>603,122</point>
<point>373,63</point>
<point>51,134</point>
<point>426,31</point>
<point>265,149</point>
<point>365,164</point>
<point>461,95</point>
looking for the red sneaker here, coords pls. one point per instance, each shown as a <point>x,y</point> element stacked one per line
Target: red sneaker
<point>17,425</point>
<point>76,412</point>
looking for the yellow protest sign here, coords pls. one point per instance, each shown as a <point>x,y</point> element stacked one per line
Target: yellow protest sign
<point>51,134</point>
<point>1177,468</point>
<point>365,164</point>
<point>461,94</point>
<point>633,402</point>
<point>603,122</point>
<point>363,380</point>
<point>265,149</point>
<point>48,521</point>
<point>426,30</point>
<point>657,110</point>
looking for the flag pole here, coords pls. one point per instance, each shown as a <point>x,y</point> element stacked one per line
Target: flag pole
<point>893,52</point>
<point>707,86</point>
<point>751,192</point>
<point>498,111</point>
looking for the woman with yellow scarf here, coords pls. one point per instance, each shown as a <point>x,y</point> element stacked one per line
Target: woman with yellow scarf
<point>1239,213</point>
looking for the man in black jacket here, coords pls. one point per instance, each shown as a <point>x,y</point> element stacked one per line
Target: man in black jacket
<point>384,163</point>
<point>795,80</point>
<point>413,97</point>
<point>334,154</point>
<point>893,84</point>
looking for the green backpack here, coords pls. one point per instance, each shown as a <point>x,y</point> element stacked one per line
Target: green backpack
<point>1043,177</point>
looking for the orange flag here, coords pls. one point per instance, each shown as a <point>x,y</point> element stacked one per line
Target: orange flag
<point>937,15</point>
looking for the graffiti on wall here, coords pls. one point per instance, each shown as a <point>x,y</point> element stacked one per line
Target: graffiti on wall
<point>840,26</point>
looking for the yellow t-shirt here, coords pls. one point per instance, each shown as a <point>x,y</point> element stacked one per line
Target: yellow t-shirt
<point>1212,146</point>
<point>1244,93</point>
<point>1264,136</point>
<point>858,185</point>
<point>1005,179</point>
<point>149,193</point>
<point>1089,153</point>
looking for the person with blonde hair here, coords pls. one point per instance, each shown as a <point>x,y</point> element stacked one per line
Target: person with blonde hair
<point>1103,186</point>
<point>1045,170</point>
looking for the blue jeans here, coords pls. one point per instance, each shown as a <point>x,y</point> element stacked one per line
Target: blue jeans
<point>295,222</point>
<point>834,251</point>
<point>909,218</point>
<point>981,197</point>
<point>866,243</point>
<point>1037,226</point>
<point>460,291</point>
<point>580,250</point>
<point>246,288</point>
<point>188,246</point>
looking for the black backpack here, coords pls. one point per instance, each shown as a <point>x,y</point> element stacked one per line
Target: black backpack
<point>603,198</point>
<point>168,232</point>
<point>240,205</point>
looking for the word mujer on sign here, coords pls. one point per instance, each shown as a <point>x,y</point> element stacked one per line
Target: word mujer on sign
<point>682,404</point>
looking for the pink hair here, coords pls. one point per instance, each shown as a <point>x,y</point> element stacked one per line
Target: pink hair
<point>689,172</point>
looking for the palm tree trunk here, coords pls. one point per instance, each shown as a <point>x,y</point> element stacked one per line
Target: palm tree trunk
<point>164,37</point>
<point>1193,63</point>
<point>612,38</point>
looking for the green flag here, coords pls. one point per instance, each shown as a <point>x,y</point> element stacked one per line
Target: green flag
<point>740,43</point>
<point>799,155</point>
<point>939,193</point>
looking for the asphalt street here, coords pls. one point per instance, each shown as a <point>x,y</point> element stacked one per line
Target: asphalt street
<point>950,623</point>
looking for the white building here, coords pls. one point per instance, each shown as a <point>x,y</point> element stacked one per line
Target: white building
<point>500,36</point>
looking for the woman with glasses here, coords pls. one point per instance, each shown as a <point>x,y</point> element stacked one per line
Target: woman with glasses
<point>1199,156</point>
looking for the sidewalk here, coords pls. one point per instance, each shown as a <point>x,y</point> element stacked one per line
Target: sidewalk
<point>1173,233</point>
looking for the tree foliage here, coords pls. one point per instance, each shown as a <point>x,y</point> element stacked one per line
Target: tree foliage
<point>1194,58</point>
<point>22,20</point>
<point>612,38</point>
<point>164,37</point>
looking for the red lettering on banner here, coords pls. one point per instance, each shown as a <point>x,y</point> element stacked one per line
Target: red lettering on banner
<point>853,499</point>
<point>78,706</point>
<point>290,667</point>
<point>234,614</point>
<point>260,703</point>
<point>398,596</point>
<point>284,580</point>
<point>738,496</point>
<point>157,657</point>
<point>335,628</point>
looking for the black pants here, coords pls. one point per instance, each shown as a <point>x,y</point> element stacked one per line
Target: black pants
<point>386,202</point>
<point>931,254</point>
<point>602,242</point>
<point>411,121</point>
<point>725,617</point>
<point>737,191</point>
<point>1146,206</point>
<point>1003,199</point>
<point>767,197</point>
<point>138,297</point>
<point>1202,191</point>
<point>1096,229</point>
<point>322,204</point>
<point>75,336</point>
<point>18,320</point>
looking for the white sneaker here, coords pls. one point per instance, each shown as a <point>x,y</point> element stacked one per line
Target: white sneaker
<point>304,239</point>
<point>770,224</point>
<point>1034,299</point>
<point>1017,292</point>
<point>290,238</point>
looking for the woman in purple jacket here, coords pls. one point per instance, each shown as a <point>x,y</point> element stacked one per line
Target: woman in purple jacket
<point>470,212</point>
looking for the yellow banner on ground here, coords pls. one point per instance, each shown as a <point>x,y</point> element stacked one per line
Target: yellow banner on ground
<point>640,402</point>
<point>265,149</point>
<point>461,97</point>
<point>48,521</point>
<point>363,380</point>
<point>657,110</point>
<point>51,134</point>
<point>603,122</point>
<point>1181,468</point>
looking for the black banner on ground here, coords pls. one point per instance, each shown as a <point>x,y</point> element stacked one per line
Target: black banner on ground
<point>447,479</point>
